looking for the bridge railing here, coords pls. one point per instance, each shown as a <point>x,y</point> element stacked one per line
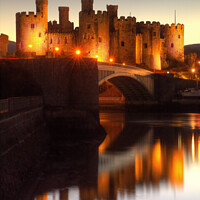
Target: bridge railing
<point>19,103</point>
<point>138,67</point>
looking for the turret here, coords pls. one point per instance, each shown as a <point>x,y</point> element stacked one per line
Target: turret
<point>87,5</point>
<point>42,8</point>
<point>65,24</point>
<point>112,12</point>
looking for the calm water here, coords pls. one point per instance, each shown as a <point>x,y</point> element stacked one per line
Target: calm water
<point>144,156</point>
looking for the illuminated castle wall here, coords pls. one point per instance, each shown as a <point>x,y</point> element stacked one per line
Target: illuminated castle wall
<point>3,45</point>
<point>100,35</point>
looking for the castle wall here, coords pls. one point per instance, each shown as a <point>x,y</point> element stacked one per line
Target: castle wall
<point>151,44</point>
<point>139,48</point>
<point>3,45</point>
<point>94,34</point>
<point>126,39</point>
<point>64,41</point>
<point>174,39</point>
<point>163,53</point>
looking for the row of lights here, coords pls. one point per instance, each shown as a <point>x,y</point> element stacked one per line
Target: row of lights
<point>78,52</point>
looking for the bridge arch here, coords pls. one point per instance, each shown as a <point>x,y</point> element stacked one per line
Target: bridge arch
<point>130,87</point>
<point>136,84</point>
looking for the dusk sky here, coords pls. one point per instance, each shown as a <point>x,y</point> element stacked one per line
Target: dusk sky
<point>188,13</point>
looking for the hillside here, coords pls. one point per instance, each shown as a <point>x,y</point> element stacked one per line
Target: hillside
<point>193,48</point>
<point>11,47</point>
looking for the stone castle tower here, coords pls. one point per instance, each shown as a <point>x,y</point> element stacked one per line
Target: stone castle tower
<point>32,28</point>
<point>100,35</point>
<point>94,32</point>
<point>87,5</point>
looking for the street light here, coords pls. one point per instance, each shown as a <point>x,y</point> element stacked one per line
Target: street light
<point>78,52</point>
<point>30,45</point>
<point>124,64</point>
<point>57,49</point>
<point>193,70</point>
<point>111,60</point>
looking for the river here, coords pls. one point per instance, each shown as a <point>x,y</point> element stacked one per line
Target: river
<point>144,156</point>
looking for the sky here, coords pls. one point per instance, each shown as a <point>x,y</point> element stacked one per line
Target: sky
<point>188,13</point>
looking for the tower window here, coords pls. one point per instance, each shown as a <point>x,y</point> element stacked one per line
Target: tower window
<point>40,34</point>
<point>32,26</point>
<point>89,26</point>
<point>51,41</point>
<point>100,40</point>
<point>122,43</point>
<point>179,36</point>
<point>58,40</point>
<point>154,33</point>
<point>145,45</point>
<point>172,45</point>
<point>65,40</point>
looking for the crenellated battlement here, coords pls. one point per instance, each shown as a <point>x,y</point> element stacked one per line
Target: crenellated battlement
<point>179,27</point>
<point>26,15</point>
<point>101,14</point>
<point>93,15</point>
<point>124,21</point>
<point>53,26</point>
<point>53,23</point>
<point>125,24</point>
<point>148,24</point>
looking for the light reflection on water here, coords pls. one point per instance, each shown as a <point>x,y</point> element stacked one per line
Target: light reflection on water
<point>143,157</point>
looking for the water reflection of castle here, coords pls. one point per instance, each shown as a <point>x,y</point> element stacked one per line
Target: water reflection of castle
<point>163,163</point>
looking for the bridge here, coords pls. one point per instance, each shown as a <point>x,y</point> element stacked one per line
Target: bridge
<point>140,85</point>
<point>67,82</point>
<point>109,162</point>
<point>135,83</point>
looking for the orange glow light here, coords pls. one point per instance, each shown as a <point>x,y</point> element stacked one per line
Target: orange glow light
<point>124,64</point>
<point>193,149</point>
<point>199,62</point>
<point>167,72</point>
<point>193,70</point>
<point>111,60</point>
<point>56,48</point>
<point>78,52</point>
<point>157,160</point>
<point>97,56</point>
<point>199,149</point>
<point>30,45</point>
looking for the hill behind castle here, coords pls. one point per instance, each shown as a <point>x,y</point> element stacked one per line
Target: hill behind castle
<point>11,47</point>
<point>193,48</point>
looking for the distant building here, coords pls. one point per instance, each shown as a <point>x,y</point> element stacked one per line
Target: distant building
<point>100,35</point>
<point>3,45</point>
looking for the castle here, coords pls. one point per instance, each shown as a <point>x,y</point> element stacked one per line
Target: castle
<point>100,35</point>
<point>3,45</point>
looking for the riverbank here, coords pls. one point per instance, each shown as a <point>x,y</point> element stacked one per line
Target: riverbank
<point>175,106</point>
